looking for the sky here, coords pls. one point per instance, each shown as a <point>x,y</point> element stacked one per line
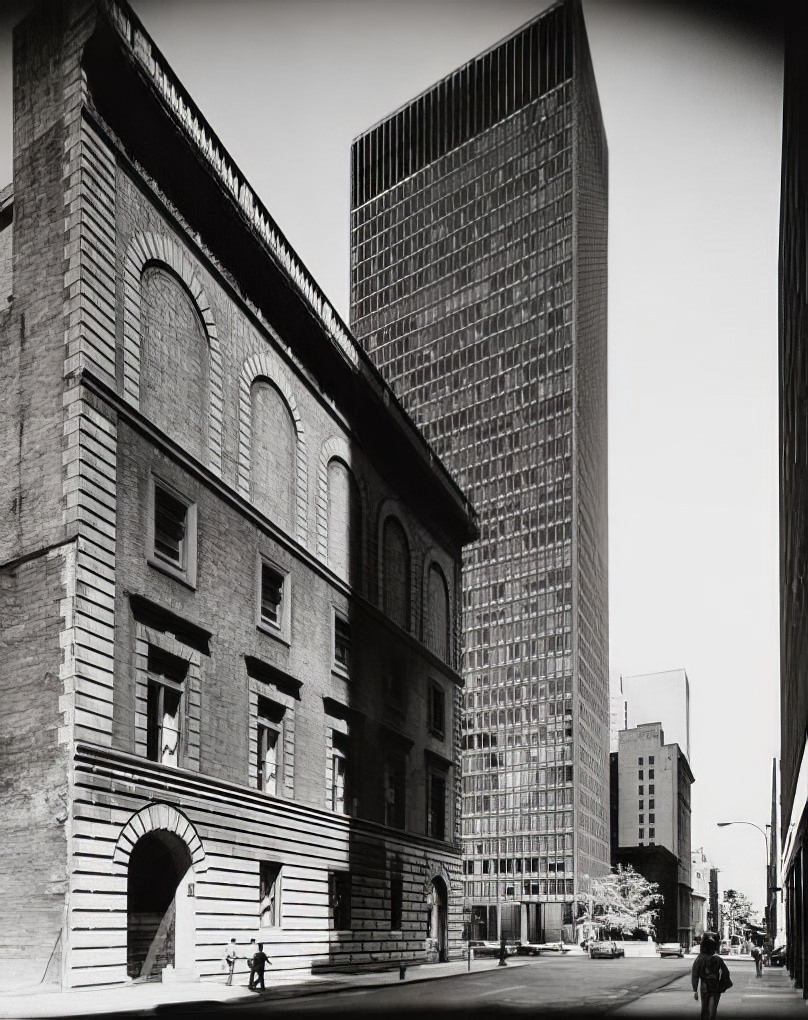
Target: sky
<point>692,106</point>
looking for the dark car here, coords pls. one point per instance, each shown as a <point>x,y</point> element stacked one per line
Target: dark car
<point>777,957</point>
<point>605,950</point>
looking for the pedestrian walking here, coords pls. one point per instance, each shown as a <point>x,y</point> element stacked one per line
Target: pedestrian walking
<point>710,978</point>
<point>230,957</point>
<point>257,965</point>
<point>757,956</point>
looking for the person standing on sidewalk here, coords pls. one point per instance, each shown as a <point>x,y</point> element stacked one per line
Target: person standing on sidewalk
<point>230,957</point>
<point>259,961</point>
<point>757,956</point>
<point>710,978</point>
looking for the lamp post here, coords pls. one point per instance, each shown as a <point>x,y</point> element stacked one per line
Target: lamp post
<point>770,884</point>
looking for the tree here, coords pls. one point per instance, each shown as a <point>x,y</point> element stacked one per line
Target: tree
<point>624,900</point>
<point>737,911</point>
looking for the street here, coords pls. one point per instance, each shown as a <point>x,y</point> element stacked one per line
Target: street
<point>573,986</point>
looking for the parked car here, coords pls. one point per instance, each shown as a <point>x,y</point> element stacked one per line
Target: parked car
<point>484,947</point>
<point>777,957</point>
<point>537,948</point>
<point>605,951</point>
<point>670,949</point>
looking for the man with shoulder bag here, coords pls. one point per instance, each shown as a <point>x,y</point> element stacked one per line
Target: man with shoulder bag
<point>710,977</point>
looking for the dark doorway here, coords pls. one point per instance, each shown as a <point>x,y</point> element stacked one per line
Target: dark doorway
<point>438,928</point>
<point>156,866</point>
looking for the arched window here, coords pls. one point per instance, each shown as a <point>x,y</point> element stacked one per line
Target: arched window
<point>174,361</point>
<point>273,451</point>
<point>396,573</point>
<point>437,613</point>
<point>344,522</point>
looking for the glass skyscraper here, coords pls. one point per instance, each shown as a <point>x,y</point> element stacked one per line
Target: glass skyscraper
<point>479,244</point>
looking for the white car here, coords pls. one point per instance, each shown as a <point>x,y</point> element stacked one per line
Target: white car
<point>671,949</point>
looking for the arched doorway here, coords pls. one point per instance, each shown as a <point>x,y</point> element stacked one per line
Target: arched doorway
<point>156,894</point>
<point>438,927</point>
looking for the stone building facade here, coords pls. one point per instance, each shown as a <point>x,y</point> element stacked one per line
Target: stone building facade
<point>229,563</point>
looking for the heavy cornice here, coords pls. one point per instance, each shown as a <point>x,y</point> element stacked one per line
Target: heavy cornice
<point>151,115</point>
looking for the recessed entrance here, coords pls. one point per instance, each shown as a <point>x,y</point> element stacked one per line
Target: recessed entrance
<point>158,866</point>
<point>438,930</point>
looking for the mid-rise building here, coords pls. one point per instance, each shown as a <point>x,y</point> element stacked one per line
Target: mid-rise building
<point>793,381</point>
<point>662,697</point>
<point>700,896</point>
<point>617,710</point>
<point>229,563</point>
<point>479,251</point>
<point>651,802</point>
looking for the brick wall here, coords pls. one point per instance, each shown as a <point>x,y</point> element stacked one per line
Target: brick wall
<point>33,767</point>
<point>104,278</point>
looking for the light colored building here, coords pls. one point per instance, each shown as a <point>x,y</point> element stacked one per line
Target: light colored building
<point>617,710</point>
<point>660,697</point>
<point>700,895</point>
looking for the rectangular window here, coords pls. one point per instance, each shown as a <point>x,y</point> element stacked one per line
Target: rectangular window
<point>437,710</point>
<point>639,774</point>
<point>642,791</point>
<point>650,773</point>
<point>269,911</point>
<point>641,833</point>
<point>652,818</point>
<point>269,745</point>
<point>395,786</point>
<point>339,773</point>
<point>170,516</point>
<point>172,533</point>
<point>651,788</point>
<point>396,902</point>
<point>651,760</point>
<point>640,805</point>
<point>339,899</point>
<point>641,819</point>
<point>271,596</point>
<point>166,675</point>
<point>651,803</point>
<point>639,761</point>
<point>436,804</point>
<point>342,645</point>
<point>651,831</point>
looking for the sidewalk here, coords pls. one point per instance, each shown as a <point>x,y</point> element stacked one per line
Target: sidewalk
<point>40,1001</point>
<point>768,997</point>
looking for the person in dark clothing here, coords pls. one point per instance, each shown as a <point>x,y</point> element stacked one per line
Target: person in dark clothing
<point>710,977</point>
<point>757,956</point>
<point>259,962</point>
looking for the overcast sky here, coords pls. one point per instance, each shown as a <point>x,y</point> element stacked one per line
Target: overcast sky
<point>692,108</point>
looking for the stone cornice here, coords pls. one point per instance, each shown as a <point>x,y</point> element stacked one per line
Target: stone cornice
<point>199,132</point>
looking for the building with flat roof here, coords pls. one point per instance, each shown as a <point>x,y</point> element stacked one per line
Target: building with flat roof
<point>229,563</point>
<point>479,265</point>
<point>662,697</point>
<point>651,806</point>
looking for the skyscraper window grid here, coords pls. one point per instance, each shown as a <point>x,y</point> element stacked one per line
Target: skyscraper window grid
<point>478,247</point>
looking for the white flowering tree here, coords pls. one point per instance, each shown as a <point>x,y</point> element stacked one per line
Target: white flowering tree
<point>624,901</point>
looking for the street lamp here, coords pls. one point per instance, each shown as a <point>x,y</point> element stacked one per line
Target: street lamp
<point>769,883</point>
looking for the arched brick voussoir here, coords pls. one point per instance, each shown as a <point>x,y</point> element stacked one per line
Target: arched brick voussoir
<point>156,818</point>
<point>151,247</point>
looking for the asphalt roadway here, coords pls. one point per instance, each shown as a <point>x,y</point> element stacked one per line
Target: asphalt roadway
<point>549,986</point>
